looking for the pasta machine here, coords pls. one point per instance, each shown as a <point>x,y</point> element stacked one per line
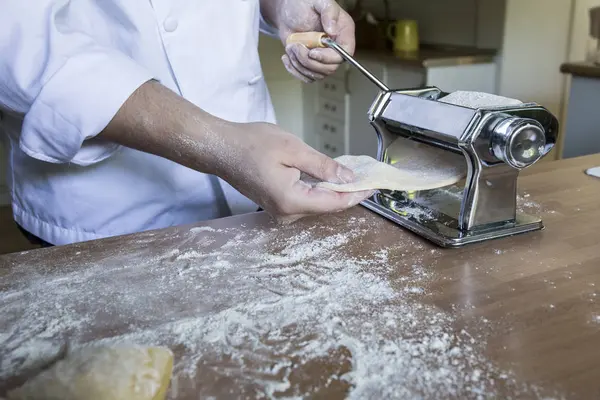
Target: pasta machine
<point>496,142</point>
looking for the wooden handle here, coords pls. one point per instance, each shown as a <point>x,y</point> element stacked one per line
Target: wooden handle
<point>311,40</point>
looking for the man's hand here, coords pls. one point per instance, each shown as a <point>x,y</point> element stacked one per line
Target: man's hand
<point>266,166</point>
<point>293,16</point>
<point>260,160</point>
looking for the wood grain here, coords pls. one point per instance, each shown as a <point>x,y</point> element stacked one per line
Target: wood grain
<point>538,291</point>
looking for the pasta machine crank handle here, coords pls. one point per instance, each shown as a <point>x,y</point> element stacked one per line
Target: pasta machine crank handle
<point>321,40</point>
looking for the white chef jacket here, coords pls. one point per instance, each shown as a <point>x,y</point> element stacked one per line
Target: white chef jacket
<point>67,66</point>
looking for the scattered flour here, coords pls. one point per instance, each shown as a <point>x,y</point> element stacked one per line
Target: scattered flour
<point>418,213</point>
<point>524,204</point>
<point>253,317</point>
<point>203,229</point>
<point>478,100</point>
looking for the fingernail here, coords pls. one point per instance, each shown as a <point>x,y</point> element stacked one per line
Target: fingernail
<point>331,26</point>
<point>315,55</point>
<point>345,175</point>
<point>360,196</point>
<point>293,48</point>
<point>356,198</point>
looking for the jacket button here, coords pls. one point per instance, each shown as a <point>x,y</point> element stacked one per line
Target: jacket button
<point>170,24</point>
<point>255,80</point>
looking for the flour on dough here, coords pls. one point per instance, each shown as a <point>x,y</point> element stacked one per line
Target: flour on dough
<point>478,100</point>
<point>103,373</point>
<point>414,166</point>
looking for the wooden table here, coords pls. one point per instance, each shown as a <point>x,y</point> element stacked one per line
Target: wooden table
<point>346,305</point>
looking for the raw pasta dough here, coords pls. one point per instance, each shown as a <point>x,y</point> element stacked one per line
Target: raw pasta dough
<point>415,166</point>
<point>103,373</point>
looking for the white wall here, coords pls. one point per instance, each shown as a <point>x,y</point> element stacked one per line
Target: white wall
<point>536,41</point>
<point>581,26</point>
<point>453,22</point>
<point>577,48</point>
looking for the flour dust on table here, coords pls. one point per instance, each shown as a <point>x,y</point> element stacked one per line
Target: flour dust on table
<point>261,313</point>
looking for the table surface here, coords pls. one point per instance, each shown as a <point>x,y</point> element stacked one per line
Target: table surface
<point>339,306</point>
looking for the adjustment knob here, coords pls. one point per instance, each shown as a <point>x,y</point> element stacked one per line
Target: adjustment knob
<point>519,142</point>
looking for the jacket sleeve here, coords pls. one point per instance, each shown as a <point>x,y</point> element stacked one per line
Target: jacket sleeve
<point>267,29</point>
<point>65,86</point>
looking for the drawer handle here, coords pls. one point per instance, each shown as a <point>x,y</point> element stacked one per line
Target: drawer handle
<point>333,87</point>
<point>327,107</point>
<point>326,86</point>
<point>334,108</point>
<point>327,147</point>
<point>334,149</point>
<point>326,127</point>
<point>333,129</point>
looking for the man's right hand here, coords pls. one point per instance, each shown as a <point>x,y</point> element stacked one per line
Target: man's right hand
<point>266,165</point>
<point>260,160</point>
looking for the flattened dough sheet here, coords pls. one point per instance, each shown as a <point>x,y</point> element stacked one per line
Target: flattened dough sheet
<point>415,166</point>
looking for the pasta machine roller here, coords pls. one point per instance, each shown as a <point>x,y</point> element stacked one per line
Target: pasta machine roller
<point>496,142</point>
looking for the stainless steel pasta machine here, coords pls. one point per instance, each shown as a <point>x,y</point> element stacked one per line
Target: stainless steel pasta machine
<point>496,140</point>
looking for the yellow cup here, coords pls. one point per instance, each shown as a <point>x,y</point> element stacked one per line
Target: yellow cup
<point>405,36</point>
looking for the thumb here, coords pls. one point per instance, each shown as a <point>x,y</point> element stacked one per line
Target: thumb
<point>322,167</point>
<point>330,13</point>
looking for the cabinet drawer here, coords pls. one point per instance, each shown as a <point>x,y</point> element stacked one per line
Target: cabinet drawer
<point>331,108</point>
<point>331,147</point>
<point>332,89</point>
<point>331,137</point>
<point>332,150</point>
<point>328,127</point>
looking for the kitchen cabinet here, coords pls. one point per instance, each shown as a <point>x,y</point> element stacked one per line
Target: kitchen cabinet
<point>360,135</point>
<point>340,116</point>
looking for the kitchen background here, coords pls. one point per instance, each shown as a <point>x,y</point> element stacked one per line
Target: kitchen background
<point>513,48</point>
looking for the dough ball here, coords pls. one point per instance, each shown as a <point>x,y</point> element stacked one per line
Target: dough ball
<point>103,373</point>
<point>413,166</point>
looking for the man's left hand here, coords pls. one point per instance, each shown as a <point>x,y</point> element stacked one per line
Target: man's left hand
<point>293,16</point>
